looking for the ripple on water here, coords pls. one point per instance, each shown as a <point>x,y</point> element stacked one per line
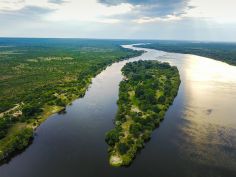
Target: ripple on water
<point>208,144</point>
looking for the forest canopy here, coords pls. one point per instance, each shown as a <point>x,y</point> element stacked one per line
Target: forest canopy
<point>145,94</point>
<point>39,77</point>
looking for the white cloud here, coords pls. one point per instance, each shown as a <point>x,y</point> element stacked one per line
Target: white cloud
<point>174,19</point>
<point>14,5</point>
<point>90,10</point>
<point>108,21</point>
<point>71,10</point>
<point>157,19</point>
<point>223,11</point>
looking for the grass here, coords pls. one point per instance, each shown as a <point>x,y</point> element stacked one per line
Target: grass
<point>48,111</point>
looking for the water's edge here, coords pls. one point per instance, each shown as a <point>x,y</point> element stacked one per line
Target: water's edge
<point>193,139</point>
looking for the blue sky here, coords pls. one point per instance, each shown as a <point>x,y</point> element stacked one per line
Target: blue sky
<point>209,20</point>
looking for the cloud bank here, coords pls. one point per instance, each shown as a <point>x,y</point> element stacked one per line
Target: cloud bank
<point>172,19</point>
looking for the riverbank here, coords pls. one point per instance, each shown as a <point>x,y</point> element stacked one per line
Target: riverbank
<point>19,124</point>
<point>147,91</point>
<point>225,52</point>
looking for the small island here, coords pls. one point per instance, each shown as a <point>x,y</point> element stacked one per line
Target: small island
<point>147,91</point>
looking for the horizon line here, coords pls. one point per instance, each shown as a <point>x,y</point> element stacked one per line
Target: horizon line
<point>127,39</point>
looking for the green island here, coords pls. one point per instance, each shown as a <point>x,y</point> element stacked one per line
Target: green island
<point>145,94</point>
<point>39,77</point>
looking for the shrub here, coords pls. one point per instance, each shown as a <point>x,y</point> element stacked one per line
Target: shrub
<point>123,148</point>
<point>112,137</point>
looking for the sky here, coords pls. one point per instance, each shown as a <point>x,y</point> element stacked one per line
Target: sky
<point>204,20</point>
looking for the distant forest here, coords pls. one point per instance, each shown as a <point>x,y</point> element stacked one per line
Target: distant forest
<point>225,52</point>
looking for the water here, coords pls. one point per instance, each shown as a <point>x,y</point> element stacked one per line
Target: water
<point>196,139</point>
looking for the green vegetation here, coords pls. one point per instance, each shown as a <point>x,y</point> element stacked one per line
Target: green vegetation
<point>146,93</point>
<point>17,141</point>
<point>39,77</point>
<point>225,52</point>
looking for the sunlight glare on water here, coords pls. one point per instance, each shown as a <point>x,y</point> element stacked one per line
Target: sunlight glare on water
<point>208,134</point>
<point>209,112</point>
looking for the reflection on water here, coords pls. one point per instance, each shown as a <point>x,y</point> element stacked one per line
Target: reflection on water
<point>208,134</point>
<point>196,139</point>
<point>209,144</point>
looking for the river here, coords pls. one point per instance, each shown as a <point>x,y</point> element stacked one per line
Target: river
<point>196,139</point>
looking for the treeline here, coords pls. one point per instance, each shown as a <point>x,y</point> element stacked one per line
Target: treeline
<point>145,94</point>
<point>16,142</point>
<point>225,52</point>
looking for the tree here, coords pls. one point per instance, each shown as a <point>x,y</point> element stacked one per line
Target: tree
<point>31,110</point>
<point>161,99</point>
<point>135,129</point>
<point>123,148</point>
<point>150,96</point>
<point>139,91</point>
<point>112,137</point>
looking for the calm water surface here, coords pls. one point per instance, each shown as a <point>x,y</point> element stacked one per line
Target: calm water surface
<point>196,139</point>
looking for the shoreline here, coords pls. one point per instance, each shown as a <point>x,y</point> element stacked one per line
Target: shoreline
<point>199,54</point>
<point>17,129</point>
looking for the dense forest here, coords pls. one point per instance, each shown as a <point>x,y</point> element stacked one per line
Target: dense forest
<point>39,77</point>
<point>147,91</point>
<point>225,52</point>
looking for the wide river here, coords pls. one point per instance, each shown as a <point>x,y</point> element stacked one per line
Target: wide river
<point>196,139</point>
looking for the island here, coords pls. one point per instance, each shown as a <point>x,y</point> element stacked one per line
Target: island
<point>145,94</point>
<point>40,77</point>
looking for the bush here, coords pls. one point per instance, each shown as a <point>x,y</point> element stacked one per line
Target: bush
<point>31,110</point>
<point>123,148</point>
<point>161,99</point>
<point>18,141</point>
<point>112,137</point>
<point>135,129</point>
<point>146,135</point>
